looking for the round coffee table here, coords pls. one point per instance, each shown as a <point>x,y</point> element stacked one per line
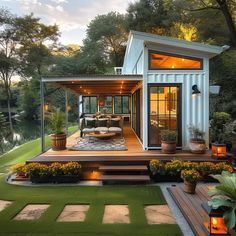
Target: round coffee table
<point>101,135</point>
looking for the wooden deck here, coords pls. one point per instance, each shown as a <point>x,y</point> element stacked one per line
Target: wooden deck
<point>135,153</point>
<point>190,206</point>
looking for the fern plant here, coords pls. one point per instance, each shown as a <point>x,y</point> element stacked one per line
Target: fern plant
<point>224,196</point>
<point>57,121</point>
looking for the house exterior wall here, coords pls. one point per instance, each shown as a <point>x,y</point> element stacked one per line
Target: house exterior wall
<point>195,110</point>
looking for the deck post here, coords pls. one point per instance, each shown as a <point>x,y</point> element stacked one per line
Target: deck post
<point>66,111</point>
<point>42,115</point>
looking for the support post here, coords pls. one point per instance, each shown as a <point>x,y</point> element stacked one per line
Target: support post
<point>66,110</point>
<point>42,116</point>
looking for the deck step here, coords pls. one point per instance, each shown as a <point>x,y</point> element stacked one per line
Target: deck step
<point>121,178</point>
<point>124,168</point>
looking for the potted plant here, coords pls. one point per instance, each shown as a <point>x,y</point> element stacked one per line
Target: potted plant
<point>58,136</point>
<point>190,177</point>
<point>218,133</point>
<point>168,141</point>
<point>197,143</point>
<point>223,196</point>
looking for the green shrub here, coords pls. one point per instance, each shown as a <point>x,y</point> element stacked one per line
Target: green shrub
<point>168,135</point>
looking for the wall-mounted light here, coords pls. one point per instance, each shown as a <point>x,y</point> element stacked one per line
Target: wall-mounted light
<point>195,90</point>
<point>46,107</point>
<point>214,89</point>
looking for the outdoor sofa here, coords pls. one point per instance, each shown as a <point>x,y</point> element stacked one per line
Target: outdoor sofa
<point>110,124</point>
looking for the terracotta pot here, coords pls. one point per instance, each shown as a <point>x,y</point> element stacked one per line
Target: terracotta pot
<point>168,147</point>
<point>58,142</point>
<point>189,187</point>
<point>197,146</point>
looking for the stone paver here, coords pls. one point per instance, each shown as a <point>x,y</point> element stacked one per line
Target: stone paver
<point>32,212</point>
<point>72,213</point>
<point>116,214</point>
<point>159,214</point>
<point>4,204</point>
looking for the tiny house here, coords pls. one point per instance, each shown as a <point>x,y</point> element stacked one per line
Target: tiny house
<point>174,93</point>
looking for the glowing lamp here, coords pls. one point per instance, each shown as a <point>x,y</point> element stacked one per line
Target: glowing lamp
<point>46,107</point>
<point>68,108</point>
<point>218,150</point>
<point>213,221</point>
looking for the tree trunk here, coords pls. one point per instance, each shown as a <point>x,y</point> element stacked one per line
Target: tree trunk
<point>229,21</point>
<point>9,111</point>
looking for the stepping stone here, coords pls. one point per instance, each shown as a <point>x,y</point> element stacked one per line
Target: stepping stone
<point>4,204</point>
<point>116,214</point>
<point>32,212</point>
<point>159,214</point>
<point>72,213</point>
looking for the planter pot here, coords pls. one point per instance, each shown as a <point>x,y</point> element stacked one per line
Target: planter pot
<point>168,147</point>
<point>189,187</point>
<point>58,142</point>
<point>166,178</point>
<point>67,179</point>
<point>197,146</point>
<point>40,180</point>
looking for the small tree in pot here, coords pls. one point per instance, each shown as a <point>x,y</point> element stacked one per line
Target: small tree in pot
<point>218,133</point>
<point>58,136</point>
<point>168,141</point>
<point>197,143</point>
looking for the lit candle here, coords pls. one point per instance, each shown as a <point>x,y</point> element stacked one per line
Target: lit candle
<point>214,223</point>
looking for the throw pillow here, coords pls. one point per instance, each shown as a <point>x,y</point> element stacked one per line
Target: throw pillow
<point>115,123</point>
<point>102,123</point>
<point>90,123</point>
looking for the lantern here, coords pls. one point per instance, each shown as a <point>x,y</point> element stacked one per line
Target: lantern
<point>218,150</point>
<point>68,108</point>
<point>46,107</point>
<point>213,221</point>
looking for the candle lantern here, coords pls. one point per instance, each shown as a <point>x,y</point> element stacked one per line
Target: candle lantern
<point>68,108</point>
<point>46,107</point>
<point>218,150</point>
<point>213,221</point>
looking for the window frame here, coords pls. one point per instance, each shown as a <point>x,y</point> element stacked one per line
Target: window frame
<point>173,55</point>
<point>90,104</point>
<point>122,110</point>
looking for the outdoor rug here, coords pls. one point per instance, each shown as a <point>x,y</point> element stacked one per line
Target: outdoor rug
<point>96,144</point>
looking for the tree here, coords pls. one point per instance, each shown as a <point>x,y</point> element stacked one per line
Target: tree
<point>33,37</point>
<point>226,7</point>
<point>108,31</point>
<point>3,131</point>
<point>9,55</point>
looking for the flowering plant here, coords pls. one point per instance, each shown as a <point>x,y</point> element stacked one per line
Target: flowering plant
<point>37,170</point>
<point>19,169</point>
<point>206,168</point>
<point>174,167</point>
<point>189,165</point>
<point>56,169</point>
<point>157,167</point>
<point>190,175</point>
<point>71,168</point>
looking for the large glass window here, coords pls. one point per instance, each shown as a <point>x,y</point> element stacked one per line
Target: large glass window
<point>121,104</point>
<point>158,60</point>
<point>106,105</point>
<point>89,105</point>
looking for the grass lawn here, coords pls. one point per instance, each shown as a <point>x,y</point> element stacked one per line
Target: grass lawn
<point>135,196</point>
<point>25,152</point>
<point>57,196</point>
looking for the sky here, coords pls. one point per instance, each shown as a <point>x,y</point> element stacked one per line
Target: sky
<point>72,16</point>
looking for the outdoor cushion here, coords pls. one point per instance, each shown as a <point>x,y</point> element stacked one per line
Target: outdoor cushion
<point>90,122</point>
<point>101,129</point>
<point>115,123</point>
<point>114,129</point>
<point>102,122</point>
<point>88,130</point>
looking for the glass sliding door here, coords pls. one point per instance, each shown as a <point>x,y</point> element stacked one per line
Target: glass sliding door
<point>136,112</point>
<point>164,112</point>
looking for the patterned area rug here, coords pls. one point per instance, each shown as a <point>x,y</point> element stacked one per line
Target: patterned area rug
<point>96,144</point>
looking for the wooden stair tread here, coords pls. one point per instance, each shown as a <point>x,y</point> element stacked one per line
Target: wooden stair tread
<point>124,177</point>
<point>124,168</point>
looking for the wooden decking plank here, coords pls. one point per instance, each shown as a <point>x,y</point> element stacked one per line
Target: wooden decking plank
<point>187,212</point>
<point>190,206</point>
<point>132,178</point>
<point>123,168</point>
